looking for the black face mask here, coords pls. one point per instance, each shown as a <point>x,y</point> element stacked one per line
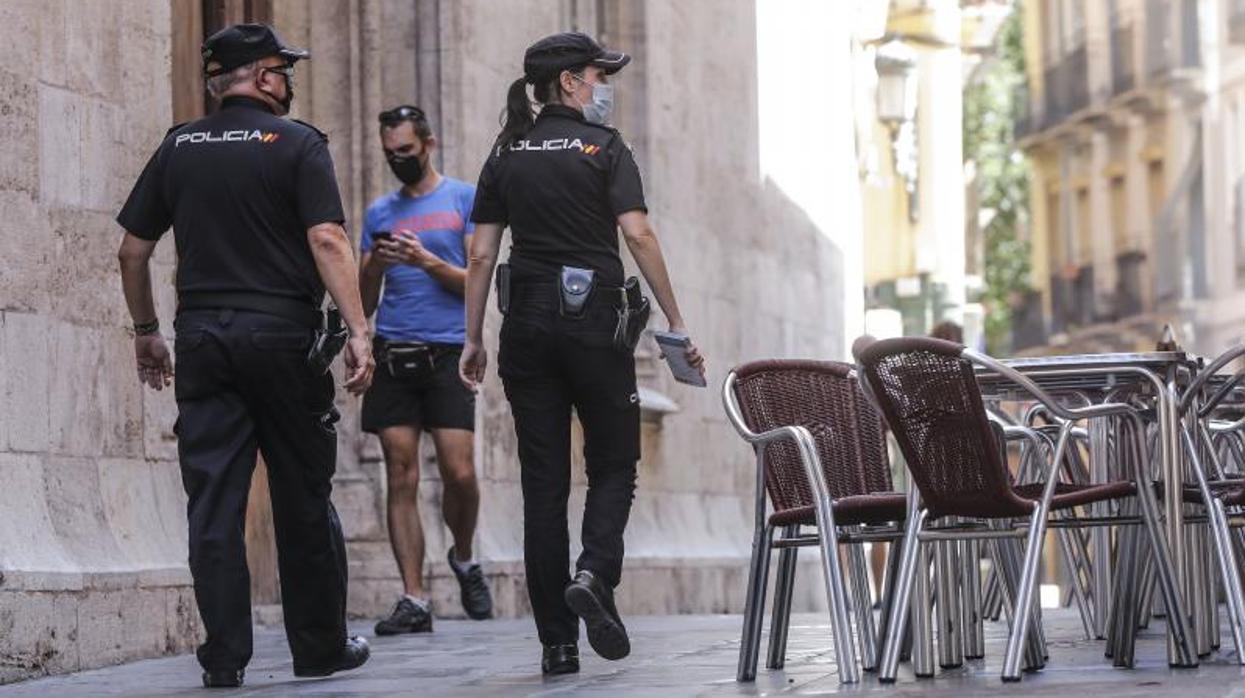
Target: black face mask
<point>409,169</point>
<point>289,98</point>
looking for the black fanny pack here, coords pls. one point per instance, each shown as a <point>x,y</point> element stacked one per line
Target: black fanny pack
<point>408,360</point>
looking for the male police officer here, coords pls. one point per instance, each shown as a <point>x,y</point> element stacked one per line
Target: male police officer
<point>415,240</point>
<point>258,222</point>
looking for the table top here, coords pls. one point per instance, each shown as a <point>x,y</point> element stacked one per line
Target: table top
<point>1084,372</point>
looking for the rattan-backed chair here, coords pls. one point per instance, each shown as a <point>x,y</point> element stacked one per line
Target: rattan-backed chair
<point>927,391</point>
<point>821,457</point>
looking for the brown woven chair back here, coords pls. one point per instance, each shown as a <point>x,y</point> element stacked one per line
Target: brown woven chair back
<point>822,397</point>
<point>929,396</point>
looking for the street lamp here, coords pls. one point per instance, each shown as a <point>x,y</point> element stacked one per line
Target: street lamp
<point>896,93</point>
<point>896,104</point>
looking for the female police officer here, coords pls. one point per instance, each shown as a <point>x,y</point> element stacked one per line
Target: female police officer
<point>564,183</point>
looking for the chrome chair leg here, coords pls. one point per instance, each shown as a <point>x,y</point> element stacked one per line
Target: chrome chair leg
<point>920,613</point>
<point>862,603</point>
<point>885,616</point>
<point>754,606</point>
<point>895,627</point>
<point>1178,622</point>
<point>1023,609</point>
<point>970,579</point>
<point>947,601</point>
<point>780,615</point>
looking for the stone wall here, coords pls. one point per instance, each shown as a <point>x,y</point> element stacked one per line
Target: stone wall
<point>92,532</point>
<point>92,529</point>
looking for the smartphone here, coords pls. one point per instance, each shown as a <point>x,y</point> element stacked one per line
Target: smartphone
<point>382,235</point>
<point>674,346</point>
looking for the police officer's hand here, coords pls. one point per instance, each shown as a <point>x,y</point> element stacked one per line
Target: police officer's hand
<point>155,364</point>
<point>472,364</point>
<point>359,363</point>
<point>694,357</point>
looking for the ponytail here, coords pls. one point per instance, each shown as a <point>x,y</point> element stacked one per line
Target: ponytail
<point>517,118</point>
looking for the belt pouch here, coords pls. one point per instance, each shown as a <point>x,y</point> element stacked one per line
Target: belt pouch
<point>574,288</point>
<point>409,360</point>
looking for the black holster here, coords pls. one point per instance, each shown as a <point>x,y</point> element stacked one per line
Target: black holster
<point>329,341</point>
<point>503,288</point>
<point>633,312</point>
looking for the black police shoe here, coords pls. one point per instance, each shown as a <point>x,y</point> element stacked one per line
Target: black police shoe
<point>560,659</point>
<point>407,617</point>
<point>223,678</point>
<point>593,600</point>
<point>352,656</point>
<point>477,601</point>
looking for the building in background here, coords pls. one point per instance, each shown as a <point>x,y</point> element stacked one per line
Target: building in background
<point>1135,132</point>
<point>761,228</point>
<point>923,264</point>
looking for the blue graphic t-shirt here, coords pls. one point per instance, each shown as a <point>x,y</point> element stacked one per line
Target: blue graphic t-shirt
<point>415,307</point>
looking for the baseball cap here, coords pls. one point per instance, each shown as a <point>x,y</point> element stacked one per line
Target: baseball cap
<point>240,44</point>
<point>557,52</point>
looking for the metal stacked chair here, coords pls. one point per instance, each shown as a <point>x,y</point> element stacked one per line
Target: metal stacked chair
<point>927,391</point>
<point>821,457</point>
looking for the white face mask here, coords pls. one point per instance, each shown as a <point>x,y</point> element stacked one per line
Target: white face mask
<point>598,112</point>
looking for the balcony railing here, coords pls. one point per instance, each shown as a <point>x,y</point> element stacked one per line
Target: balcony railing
<point>1025,121</point>
<point>1066,87</point>
<point>1162,52</point>
<point>1123,70</point>
<point>1190,43</point>
<point>1159,37</point>
<point>1236,21</point>
<point>1130,292</point>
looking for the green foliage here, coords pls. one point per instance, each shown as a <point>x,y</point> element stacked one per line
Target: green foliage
<point>993,102</point>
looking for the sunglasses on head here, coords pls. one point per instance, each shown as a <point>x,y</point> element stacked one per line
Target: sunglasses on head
<point>405,112</point>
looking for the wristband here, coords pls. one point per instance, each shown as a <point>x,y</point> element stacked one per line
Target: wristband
<point>142,329</point>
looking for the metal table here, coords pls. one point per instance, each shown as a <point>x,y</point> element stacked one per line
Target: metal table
<point>1096,376</point>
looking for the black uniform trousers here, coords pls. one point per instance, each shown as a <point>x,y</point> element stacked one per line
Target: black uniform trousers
<point>549,365</point>
<point>242,385</point>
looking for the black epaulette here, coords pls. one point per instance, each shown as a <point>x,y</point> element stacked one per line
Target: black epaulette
<point>603,127</point>
<point>323,135</point>
<point>174,128</point>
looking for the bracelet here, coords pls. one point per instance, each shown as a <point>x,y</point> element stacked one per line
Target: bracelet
<point>142,329</point>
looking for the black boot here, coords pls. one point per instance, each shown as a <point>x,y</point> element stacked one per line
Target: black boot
<point>223,678</point>
<point>593,600</point>
<point>560,659</point>
<point>352,656</point>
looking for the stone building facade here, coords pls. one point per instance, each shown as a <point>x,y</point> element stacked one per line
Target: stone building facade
<point>92,531</point>
<point>1134,134</point>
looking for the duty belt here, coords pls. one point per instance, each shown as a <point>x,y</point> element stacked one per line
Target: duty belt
<point>292,309</point>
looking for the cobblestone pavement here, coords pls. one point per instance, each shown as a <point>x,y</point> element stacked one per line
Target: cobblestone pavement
<point>672,656</point>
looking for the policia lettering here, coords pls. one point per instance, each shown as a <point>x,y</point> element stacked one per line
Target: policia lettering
<point>563,185</point>
<point>226,137</point>
<point>557,144</point>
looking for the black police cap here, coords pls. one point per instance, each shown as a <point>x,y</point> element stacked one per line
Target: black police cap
<point>236,46</point>
<point>553,54</point>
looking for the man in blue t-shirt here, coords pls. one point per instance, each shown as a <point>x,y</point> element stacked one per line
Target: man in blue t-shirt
<point>414,243</point>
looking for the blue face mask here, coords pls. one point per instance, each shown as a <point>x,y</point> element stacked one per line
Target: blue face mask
<point>598,112</point>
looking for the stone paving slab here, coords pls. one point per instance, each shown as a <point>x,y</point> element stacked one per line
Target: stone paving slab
<point>672,656</point>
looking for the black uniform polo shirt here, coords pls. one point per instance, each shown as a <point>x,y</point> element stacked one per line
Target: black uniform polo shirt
<point>240,188</point>
<point>561,189</point>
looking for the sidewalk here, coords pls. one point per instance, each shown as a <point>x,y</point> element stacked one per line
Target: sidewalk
<point>672,656</point>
